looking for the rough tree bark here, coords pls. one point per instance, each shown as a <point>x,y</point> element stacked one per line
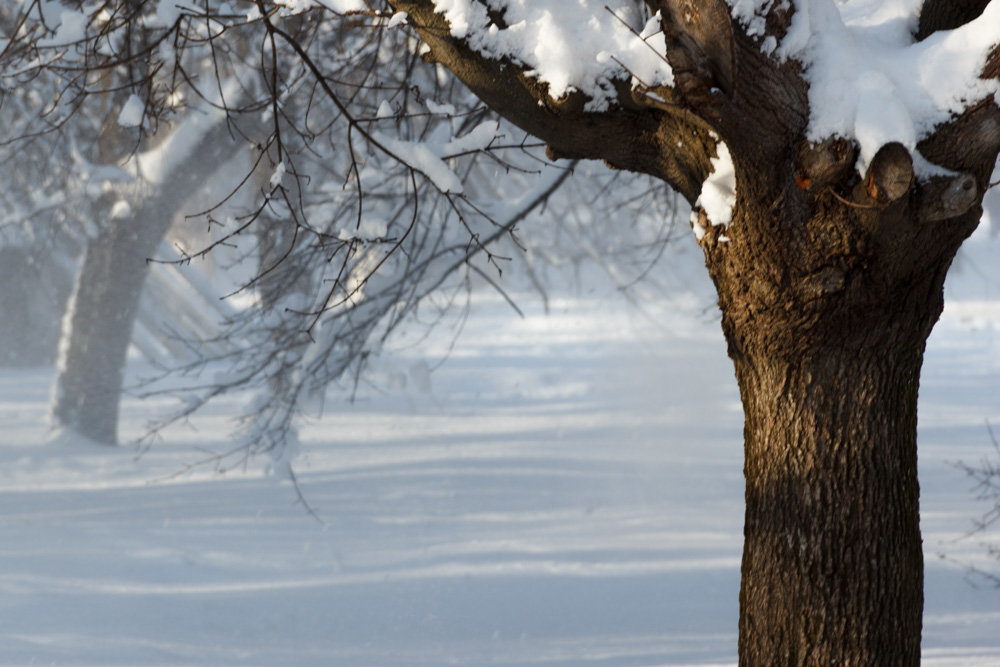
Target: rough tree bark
<point>826,320</point>
<point>105,300</point>
<point>829,283</point>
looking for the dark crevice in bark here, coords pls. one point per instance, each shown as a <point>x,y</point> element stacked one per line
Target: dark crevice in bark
<point>938,15</point>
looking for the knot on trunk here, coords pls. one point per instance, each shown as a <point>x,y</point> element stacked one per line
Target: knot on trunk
<point>823,164</point>
<point>890,174</point>
<point>571,103</point>
<point>947,197</point>
<point>826,281</point>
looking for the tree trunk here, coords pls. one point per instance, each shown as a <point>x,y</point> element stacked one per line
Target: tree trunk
<point>98,327</point>
<point>826,323</point>
<point>98,323</point>
<point>832,562</point>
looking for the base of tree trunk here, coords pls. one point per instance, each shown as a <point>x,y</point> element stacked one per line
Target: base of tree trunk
<point>97,331</point>
<point>832,562</point>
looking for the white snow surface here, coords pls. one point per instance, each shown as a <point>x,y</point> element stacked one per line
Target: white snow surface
<point>568,44</point>
<point>277,175</point>
<point>565,490</point>
<point>384,110</point>
<point>69,27</point>
<point>424,159</point>
<point>399,18</point>
<point>339,6</point>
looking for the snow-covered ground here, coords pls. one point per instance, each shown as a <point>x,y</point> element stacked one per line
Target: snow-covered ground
<point>564,490</point>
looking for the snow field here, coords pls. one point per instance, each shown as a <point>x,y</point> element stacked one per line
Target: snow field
<point>564,490</point>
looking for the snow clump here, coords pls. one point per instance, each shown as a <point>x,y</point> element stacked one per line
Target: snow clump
<point>718,192</point>
<point>131,113</point>
<point>580,45</point>
<point>869,79</point>
<point>428,156</point>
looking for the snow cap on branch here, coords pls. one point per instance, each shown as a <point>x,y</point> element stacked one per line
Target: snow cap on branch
<point>870,80</point>
<point>570,46</point>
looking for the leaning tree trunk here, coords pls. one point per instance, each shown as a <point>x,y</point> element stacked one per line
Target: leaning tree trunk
<point>101,313</point>
<point>98,326</point>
